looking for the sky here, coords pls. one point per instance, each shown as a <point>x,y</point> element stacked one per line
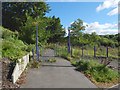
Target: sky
<point>101,17</point>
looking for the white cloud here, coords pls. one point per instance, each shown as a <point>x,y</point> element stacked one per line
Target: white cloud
<point>109,4</point>
<point>101,29</point>
<point>113,12</point>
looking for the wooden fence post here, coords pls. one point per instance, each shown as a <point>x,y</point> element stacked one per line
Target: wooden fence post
<point>107,52</point>
<point>33,53</point>
<point>94,51</point>
<point>82,51</point>
<point>71,51</point>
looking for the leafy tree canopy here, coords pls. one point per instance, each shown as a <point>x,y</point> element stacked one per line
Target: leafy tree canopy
<point>14,14</point>
<point>76,27</point>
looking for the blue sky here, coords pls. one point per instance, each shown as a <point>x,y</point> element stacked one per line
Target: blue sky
<point>70,11</point>
<point>101,16</point>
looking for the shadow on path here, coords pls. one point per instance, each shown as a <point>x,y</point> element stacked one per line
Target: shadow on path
<point>56,66</point>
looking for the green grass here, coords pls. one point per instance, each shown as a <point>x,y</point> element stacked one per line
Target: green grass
<point>96,71</point>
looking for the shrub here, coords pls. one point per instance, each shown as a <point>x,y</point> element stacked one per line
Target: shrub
<point>30,47</point>
<point>34,64</point>
<point>12,48</point>
<point>51,60</point>
<point>6,34</point>
<point>97,71</point>
<point>74,62</point>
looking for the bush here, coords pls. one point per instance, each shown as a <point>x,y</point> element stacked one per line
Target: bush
<point>6,34</point>
<point>12,48</point>
<point>74,63</point>
<point>51,60</point>
<point>30,47</point>
<point>97,71</point>
<point>34,64</point>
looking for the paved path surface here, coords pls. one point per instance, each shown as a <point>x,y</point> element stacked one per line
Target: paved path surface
<point>60,74</point>
<point>46,54</point>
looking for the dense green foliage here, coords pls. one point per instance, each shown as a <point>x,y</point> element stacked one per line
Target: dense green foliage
<point>95,40</point>
<point>24,16</point>
<point>96,71</point>
<point>79,38</point>
<point>49,30</point>
<point>12,47</point>
<point>76,27</point>
<point>14,15</point>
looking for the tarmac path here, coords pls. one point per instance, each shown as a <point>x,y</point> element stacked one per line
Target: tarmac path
<point>60,74</point>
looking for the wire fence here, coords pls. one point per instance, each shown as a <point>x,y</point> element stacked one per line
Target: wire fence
<point>80,51</point>
<point>88,51</point>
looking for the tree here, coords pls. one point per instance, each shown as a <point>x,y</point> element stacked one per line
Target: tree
<point>76,27</point>
<point>28,32</point>
<point>49,30</point>
<point>55,28</point>
<point>94,40</point>
<point>14,14</point>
